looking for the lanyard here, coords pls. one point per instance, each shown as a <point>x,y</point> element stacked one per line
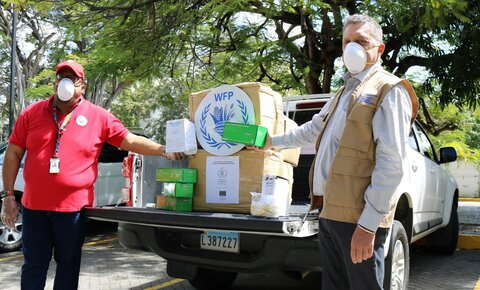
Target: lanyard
<point>61,127</point>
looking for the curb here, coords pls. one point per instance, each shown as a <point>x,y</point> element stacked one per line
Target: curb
<point>468,242</point>
<point>473,199</point>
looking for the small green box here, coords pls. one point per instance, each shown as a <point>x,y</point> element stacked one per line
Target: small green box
<point>174,203</point>
<point>187,175</point>
<point>177,189</point>
<point>252,135</point>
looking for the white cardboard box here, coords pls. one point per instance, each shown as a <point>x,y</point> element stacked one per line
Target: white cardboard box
<point>180,137</point>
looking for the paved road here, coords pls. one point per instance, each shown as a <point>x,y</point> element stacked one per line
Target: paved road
<point>108,266</point>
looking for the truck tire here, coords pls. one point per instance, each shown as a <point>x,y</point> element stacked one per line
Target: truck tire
<point>444,241</point>
<point>397,261</point>
<point>207,279</point>
<point>11,240</point>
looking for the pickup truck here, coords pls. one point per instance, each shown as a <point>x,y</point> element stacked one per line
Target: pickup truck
<point>209,249</point>
<point>107,187</point>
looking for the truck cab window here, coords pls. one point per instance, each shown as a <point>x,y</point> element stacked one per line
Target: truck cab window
<point>426,147</point>
<point>412,141</point>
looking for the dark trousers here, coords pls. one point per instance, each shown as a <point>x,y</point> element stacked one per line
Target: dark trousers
<point>339,272</point>
<point>44,232</point>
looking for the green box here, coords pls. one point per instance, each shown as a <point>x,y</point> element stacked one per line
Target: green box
<point>177,189</point>
<point>186,175</point>
<point>174,203</point>
<point>252,135</point>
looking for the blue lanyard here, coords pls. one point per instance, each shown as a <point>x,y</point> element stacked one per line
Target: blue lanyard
<point>61,127</point>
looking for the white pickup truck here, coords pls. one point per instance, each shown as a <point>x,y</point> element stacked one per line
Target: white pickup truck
<point>427,208</point>
<point>107,187</point>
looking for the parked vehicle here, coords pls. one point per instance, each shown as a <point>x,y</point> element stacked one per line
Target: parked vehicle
<point>107,186</point>
<point>426,208</point>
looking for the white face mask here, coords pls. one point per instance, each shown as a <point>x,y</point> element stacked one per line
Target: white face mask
<point>354,57</point>
<point>65,89</point>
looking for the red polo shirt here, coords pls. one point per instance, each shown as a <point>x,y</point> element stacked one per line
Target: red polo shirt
<point>80,145</point>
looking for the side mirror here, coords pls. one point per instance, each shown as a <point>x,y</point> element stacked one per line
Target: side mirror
<point>448,154</point>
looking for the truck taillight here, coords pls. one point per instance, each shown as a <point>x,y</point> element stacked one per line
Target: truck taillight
<point>126,192</point>
<point>127,166</point>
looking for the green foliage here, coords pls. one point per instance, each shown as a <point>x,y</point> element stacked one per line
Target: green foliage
<point>291,45</point>
<point>472,134</point>
<point>465,139</point>
<point>41,85</point>
<point>155,101</point>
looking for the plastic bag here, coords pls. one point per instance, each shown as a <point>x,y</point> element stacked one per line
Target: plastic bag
<point>273,201</point>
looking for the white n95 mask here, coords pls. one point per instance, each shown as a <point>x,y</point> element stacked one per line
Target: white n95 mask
<point>65,89</point>
<point>354,57</point>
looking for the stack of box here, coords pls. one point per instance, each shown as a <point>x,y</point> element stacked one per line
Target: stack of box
<point>252,165</point>
<point>177,190</point>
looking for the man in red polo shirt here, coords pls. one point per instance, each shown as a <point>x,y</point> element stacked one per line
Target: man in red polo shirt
<point>64,136</point>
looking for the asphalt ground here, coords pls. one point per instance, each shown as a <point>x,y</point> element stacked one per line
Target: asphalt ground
<point>106,265</point>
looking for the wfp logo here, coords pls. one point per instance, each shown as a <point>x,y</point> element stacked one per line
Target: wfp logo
<point>219,117</point>
<point>221,105</point>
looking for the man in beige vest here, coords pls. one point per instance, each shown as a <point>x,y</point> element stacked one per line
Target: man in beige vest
<point>360,137</point>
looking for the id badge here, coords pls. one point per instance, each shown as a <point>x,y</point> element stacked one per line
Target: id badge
<point>54,165</point>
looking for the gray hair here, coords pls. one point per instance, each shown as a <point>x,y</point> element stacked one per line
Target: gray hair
<point>376,29</point>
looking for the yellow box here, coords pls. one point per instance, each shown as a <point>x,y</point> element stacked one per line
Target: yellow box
<point>253,165</point>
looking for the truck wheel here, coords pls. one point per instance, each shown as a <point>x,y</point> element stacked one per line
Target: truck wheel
<point>444,241</point>
<point>11,240</point>
<point>397,262</point>
<point>207,279</point>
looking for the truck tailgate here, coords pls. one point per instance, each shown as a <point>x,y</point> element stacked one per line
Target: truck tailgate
<point>284,226</point>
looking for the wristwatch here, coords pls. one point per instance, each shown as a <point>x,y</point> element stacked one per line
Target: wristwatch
<point>5,193</point>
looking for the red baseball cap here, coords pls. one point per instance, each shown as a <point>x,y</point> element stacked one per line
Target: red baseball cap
<point>73,65</point>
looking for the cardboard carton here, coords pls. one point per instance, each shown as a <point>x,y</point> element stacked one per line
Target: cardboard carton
<point>176,189</point>
<point>253,166</point>
<point>268,106</point>
<point>244,134</point>
<point>174,203</point>
<point>261,96</point>
<point>185,175</point>
<point>180,137</point>
<point>285,124</point>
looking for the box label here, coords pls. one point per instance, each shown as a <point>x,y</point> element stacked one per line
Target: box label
<point>223,175</point>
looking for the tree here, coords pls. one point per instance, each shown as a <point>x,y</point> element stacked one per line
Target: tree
<point>36,38</point>
<point>292,45</point>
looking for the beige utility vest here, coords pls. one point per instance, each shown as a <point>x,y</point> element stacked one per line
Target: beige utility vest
<point>354,161</point>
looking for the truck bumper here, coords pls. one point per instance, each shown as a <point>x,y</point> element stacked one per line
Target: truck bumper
<point>258,252</point>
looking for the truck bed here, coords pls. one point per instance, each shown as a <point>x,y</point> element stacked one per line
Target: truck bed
<point>292,225</point>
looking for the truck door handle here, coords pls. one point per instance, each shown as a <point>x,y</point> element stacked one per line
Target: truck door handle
<point>414,168</point>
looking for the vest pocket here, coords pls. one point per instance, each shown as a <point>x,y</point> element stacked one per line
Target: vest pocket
<point>358,131</point>
<point>349,179</point>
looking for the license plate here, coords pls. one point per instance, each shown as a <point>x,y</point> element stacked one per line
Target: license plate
<point>220,241</point>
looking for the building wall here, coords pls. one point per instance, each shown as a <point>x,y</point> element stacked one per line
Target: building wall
<point>467,174</point>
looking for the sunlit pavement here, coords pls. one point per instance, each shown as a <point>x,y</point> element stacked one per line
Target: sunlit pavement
<point>106,265</point>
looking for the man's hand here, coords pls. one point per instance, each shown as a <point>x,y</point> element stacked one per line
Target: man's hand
<point>266,146</point>
<point>361,245</point>
<point>9,212</point>
<point>175,156</point>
